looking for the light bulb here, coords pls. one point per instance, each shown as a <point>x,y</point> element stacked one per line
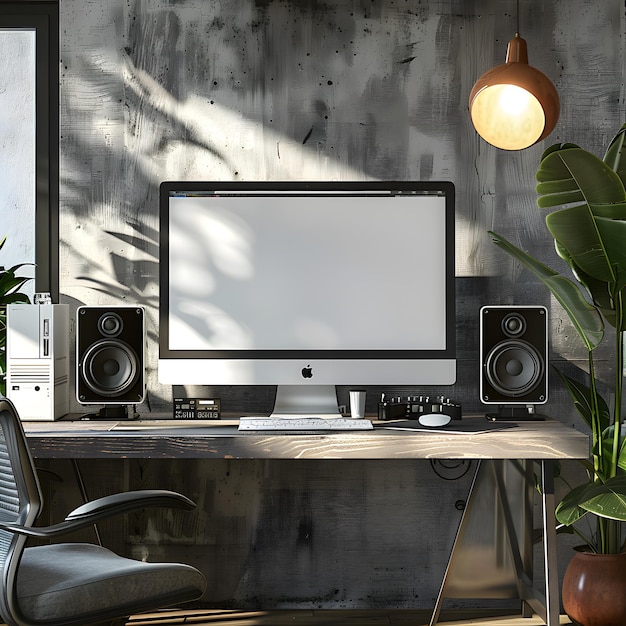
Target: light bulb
<point>514,105</point>
<point>508,117</point>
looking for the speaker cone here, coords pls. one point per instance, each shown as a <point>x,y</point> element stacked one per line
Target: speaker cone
<point>514,368</point>
<point>110,324</point>
<point>514,325</point>
<point>110,367</point>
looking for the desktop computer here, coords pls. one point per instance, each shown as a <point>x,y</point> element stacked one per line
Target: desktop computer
<point>37,349</point>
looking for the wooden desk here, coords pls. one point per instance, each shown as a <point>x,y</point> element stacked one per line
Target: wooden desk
<point>506,457</point>
<point>549,440</point>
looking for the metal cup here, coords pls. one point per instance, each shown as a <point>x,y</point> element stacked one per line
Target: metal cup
<point>357,403</point>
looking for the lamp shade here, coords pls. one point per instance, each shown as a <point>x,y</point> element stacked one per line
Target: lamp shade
<point>514,105</point>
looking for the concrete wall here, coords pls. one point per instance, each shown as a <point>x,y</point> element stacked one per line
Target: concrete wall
<point>294,89</point>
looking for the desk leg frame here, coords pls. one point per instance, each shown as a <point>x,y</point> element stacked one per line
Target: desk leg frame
<point>545,603</point>
<point>550,560</point>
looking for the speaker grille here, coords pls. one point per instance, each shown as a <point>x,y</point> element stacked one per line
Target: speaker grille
<point>514,368</point>
<point>110,355</point>
<point>110,368</point>
<point>513,355</point>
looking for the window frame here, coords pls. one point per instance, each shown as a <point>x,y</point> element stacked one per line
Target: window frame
<point>43,18</point>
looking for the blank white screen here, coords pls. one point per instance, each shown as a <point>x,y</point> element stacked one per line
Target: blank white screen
<point>304,272</point>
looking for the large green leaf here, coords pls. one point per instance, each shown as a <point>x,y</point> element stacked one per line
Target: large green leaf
<point>606,500</point>
<point>569,511</point>
<point>13,298</point>
<point>615,156</point>
<point>575,229</point>
<point>594,247</point>
<point>584,316</point>
<point>599,292</point>
<point>555,147</point>
<point>598,289</point>
<point>571,174</point>
<point>10,284</point>
<point>9,290</point>
<point>621,459</point>
<point>613,236</point>
<point>612,210</point>
<point>582,398</point>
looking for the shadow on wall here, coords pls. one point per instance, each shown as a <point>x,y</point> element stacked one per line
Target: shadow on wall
<point>294,90</point>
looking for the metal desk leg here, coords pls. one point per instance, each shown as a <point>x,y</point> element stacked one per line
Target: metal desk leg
<point>549,544</point>
<point>492,478</point>
<point>457,540</point>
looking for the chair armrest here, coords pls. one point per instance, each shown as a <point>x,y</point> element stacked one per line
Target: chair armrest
<point>102,508</point>
<point>127,501</point>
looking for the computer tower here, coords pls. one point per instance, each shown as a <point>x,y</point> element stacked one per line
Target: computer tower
<point>37,351</point>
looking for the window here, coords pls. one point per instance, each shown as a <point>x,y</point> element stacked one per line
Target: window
<point>29,137</point>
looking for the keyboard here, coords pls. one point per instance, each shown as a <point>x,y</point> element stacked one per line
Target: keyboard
<point>301,424</point>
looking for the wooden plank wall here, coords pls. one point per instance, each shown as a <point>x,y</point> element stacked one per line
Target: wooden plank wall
<point>304,89</point>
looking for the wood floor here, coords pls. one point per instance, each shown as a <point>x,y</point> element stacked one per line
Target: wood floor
<point>326,618</point>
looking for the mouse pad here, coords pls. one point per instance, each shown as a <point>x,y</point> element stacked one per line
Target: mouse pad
<point>461,427</point>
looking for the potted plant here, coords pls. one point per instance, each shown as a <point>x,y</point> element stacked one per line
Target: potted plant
<point>10,285</point>
<point>589,230</point>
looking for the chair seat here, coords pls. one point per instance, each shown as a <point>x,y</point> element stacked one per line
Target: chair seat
<point>83,581</point>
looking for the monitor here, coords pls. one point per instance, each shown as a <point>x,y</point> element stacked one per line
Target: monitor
<point>306,286</point>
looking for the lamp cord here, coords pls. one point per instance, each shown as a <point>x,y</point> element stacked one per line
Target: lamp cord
<point>517,30</point>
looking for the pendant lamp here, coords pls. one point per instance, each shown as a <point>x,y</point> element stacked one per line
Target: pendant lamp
<point>514,105</point>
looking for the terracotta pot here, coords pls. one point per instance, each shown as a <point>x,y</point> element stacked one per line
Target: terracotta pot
<point>594,589</point>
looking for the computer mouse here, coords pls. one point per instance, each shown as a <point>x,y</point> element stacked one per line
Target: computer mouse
<point>434,420</point>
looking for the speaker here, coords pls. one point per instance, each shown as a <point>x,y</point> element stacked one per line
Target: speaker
<point>110,354</point>
<point>514,355</point>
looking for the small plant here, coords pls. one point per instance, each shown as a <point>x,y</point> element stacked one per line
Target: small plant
<point>10,285</point>
<point>589,230</point>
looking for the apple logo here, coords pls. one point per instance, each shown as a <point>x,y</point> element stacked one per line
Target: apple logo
<point>307,372</point>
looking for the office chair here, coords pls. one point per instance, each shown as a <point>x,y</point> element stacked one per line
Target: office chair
<point>67,584</point>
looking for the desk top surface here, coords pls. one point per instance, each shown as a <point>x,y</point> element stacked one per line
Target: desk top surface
<point>549,439</point>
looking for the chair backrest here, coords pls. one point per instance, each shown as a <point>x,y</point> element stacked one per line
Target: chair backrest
<point>20,501</point>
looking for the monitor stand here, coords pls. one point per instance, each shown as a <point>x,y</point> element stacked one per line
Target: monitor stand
<point>306,400</point>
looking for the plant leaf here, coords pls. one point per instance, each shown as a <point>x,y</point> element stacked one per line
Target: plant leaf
<point>557,146</point>
<point>621,459</point>
<point>615,156</point>
<point>612,210</point>
<point>599,292</point>
<point>15,297</point>
<point>585,317</point>
<point>606,500</point>
<point>569,511</point>
<point>581,396</point>
<point>568,174</point>
<point>612,233</point>
<point>575,229</point>
<point>9,286</point>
